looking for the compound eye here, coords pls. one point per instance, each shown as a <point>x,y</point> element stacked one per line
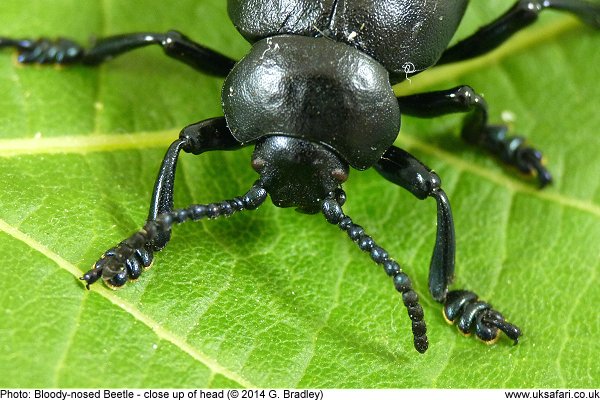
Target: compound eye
<point>339,175</point>
<point>258,164</point>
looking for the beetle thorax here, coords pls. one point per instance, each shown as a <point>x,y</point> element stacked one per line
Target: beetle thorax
<point>314,89</point>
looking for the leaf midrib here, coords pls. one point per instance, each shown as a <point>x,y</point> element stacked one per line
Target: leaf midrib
<point>522,41</point>
<point>161,139</point>
<point>130,309</point>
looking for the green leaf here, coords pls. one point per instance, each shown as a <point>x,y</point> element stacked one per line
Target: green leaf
<point>273,297</point>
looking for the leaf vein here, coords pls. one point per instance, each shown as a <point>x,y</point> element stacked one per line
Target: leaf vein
<point>60,363</point>
<point>521,42</point>
<point>334,304</point>
<point>109,295</point>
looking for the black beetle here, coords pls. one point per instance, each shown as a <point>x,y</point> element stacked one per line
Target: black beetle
<point>314,97</point>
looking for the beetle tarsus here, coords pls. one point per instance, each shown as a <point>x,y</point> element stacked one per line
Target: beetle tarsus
<point>476,130</point>
<point>512,150</point>
<point>531,161</point>
<point>471,315</point>
<point>119,264</point>
<point>45,51</point>
<point>66,51</point>
<point>128,259</point>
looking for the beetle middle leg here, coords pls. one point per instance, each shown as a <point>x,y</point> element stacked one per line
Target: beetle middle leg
<point>512,150</point>
<point>128,258</point>
<point>460,306</point>
<point>522,14</point>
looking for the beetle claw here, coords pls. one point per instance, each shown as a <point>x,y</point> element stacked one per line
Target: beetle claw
<point>45,51</point>
<point>118,265</point>
<point>530,160</point>
<point>470,314</point>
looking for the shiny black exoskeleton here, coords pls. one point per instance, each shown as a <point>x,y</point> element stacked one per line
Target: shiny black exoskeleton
<point>314,97</point>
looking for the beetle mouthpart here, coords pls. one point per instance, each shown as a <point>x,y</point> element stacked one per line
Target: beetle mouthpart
<point>258,164</point>
<point>298,173</point>
<point>332,210</point>
<point>340,175</point>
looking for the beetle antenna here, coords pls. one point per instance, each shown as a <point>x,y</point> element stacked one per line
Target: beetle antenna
<point>127,259</point>
<point>332,210</point>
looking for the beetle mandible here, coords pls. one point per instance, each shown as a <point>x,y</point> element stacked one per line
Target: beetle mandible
<point>314,97</point>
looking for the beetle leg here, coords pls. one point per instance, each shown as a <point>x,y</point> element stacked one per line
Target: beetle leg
<point>521,15</point>
<point>130,257</point>
<point>114,267</point>
<point>512,150</point>
<point>401,168</point>
<point>472,315</point>
<point>332,210</point>
<point>463,307</point>
<point>66,51</point>
<point>208,135</point>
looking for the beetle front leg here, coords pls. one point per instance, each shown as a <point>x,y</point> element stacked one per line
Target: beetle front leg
<point>208,135</point>
<point>128,259</point>
<point>401,168</point>
<point>460,306</point>
<point>511,150</point>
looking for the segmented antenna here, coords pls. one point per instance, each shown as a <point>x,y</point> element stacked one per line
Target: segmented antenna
<point>332,210</point>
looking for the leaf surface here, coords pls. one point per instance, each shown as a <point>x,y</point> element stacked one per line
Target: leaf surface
<point>273,297</point>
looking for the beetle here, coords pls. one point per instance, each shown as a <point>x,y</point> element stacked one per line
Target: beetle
<point>314,97</point>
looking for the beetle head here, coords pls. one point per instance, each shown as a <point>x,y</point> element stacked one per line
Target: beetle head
<point>298,173</point>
